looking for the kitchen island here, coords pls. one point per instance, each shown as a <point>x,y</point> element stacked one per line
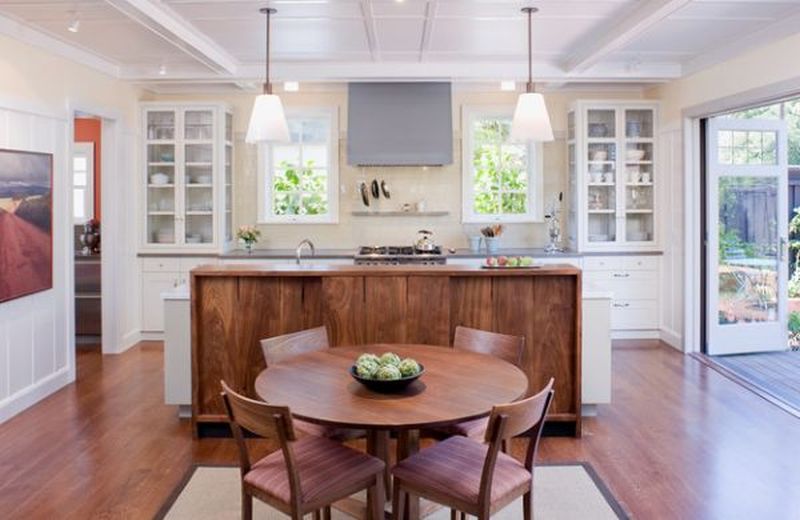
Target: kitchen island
<point>235,306</point>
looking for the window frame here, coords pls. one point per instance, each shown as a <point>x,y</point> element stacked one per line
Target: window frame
<point>83,149</point>
<point>265,200</point>
<point>535,162</point>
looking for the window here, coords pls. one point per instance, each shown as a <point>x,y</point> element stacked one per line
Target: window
<point>300,179</point>
<point>502,181</point>
<point>82,182</point>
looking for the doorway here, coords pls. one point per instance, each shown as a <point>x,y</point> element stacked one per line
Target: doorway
<point>752,246</point>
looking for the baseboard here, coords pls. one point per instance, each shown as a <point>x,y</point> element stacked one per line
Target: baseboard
<point>672,338</point>
<point>130,339</point>
<point>151,336</point>
<point>635,334</point>
<point>24,399</point>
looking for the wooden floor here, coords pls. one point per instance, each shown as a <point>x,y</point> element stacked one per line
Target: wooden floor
<point>776,373</point>
<point>680,441</point>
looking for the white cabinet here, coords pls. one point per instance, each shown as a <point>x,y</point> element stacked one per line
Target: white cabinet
<point>633,282</point>
<point>613,176</point>
<point>187,178</point>
<point>159,275</point>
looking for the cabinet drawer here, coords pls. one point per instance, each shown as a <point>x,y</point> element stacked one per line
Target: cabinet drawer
<point>187,264</point>
<point>156,265</point>
<point>640,263</point>
<point>627,285</point>
<point>153,284</point>
<point>602,263</point>
<point>634,314</point>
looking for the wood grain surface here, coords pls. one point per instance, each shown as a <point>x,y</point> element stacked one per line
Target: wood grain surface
<point>456,386</point>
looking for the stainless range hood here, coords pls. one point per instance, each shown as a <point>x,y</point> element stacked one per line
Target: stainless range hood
<point>400,124</point>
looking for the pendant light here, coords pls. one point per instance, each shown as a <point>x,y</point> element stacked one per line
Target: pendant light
<point>531,120</point>
<point>268,120</point>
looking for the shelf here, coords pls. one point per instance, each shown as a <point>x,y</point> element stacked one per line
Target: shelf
<point>199,213</point>
<point>172,163</point>
<point>160,185</point>
<point>367,213</point>
<point>601,211</point>
<point>192,185</point>
<point>601,140</point>
<point>160,213</point>
<point>199,164</point>
<point>639,162</point>
<point>601,162</point>
<point>642,140</point>
<point>198,141</point>
<point>602,184</point>
<point>638,211</point>
<point>160,141</point>
<point>642,184</point>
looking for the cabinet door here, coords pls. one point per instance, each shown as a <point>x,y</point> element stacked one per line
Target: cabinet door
<point>386,309</point>
<point>153,284</point>
<point>639,181</point>
<point>161,177</point>
<point>601,176</point>
<point>198,176</point>
<point>343,309</point>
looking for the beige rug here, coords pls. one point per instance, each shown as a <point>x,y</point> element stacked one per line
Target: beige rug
<point>563,492</point>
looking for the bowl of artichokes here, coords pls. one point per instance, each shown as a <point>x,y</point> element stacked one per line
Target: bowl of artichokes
<point>386,373</point>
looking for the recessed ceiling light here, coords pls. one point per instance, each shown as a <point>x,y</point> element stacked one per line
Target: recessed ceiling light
<point>508,86</point>
<point>162,70</point>
<point>74,23</point>
<point>291,86</point>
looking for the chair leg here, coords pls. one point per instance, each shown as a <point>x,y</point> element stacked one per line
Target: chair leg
<point>378,498</point>
<point>398,502</point>
<point>453,514</point>
<point>247,506</point>
<point>504,446</point>
<point>527,506</point>
<point>317,515</point>
<point>326,513</point>
<point>463,515</point>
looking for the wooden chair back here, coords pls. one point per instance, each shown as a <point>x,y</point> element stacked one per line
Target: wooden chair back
<point>264,420</point>
<point>280,348</point>
<point>504,346</point>
<point>510,420</point>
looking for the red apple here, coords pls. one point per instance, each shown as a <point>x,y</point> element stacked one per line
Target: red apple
<point>491,261</point>
<point>502,261</point>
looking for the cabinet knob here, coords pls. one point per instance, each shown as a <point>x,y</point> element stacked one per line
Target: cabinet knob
<point>622,305</point>
<point>622,275</point>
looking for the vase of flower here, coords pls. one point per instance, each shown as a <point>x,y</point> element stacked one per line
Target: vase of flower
<point>248,235</point>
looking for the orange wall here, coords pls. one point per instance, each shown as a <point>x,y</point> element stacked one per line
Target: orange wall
<point>90,131</point>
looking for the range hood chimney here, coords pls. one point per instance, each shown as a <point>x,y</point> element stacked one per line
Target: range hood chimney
<point>400,124</point>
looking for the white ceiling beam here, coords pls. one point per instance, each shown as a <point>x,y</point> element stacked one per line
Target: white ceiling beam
<point>427,29</point>
<point>371,29</point>
<point>596,46</point>
<point>169,25</point>
<point>22,32</point>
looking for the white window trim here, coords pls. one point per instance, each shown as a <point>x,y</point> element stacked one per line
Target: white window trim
<point>85,149</point>
<point>265,215</point>
<point>535,171</point>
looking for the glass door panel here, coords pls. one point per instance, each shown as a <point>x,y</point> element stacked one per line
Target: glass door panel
<point>198,196</point>
<point>198,125</point>
<point>601,123</point>
<point>161,177</point>
<point>639,124</point>
<point>747,249</point>
<point>161,125</point>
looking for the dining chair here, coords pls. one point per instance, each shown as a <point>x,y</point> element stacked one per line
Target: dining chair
<point>477,478</point>
<point>307,474</point>
<point>280,348</point>
<point>504,346</point>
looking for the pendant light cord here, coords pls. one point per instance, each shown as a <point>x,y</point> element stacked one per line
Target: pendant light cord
<point>529,87</point>
<point>269,11</point>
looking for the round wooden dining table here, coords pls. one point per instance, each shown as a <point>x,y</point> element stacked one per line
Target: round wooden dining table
<point>456,386</point>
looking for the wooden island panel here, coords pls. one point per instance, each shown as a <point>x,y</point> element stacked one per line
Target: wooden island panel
<point>233,310</point>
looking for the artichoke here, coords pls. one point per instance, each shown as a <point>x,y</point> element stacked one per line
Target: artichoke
<point>409,367</point>
<point>390,358</point>
<point>366,368</point>
<point>368,357</point>
<point>388,372</point>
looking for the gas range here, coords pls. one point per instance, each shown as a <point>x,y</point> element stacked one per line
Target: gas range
<point>397,255</point>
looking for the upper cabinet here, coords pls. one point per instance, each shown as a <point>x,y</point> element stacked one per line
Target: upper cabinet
<point>187,177</point>
<point>612,175</point>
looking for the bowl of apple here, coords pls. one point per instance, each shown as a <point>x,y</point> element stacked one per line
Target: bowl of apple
<point>509,262</point>
<point>386,373</point>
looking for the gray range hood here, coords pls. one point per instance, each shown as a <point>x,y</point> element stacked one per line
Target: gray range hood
<point>399,124</point>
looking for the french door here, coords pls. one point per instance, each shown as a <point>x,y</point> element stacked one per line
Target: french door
<point>747,236</point>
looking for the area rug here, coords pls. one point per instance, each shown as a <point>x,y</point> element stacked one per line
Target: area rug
<point>563,492</point>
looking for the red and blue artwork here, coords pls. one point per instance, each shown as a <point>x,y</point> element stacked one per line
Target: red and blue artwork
<point>26,223</point>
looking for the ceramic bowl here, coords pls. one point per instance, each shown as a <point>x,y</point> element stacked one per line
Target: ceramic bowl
<point>387,386</point>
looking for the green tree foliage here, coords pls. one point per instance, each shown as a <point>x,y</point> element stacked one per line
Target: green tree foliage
<point>300,191</point>
<point>501,177</point>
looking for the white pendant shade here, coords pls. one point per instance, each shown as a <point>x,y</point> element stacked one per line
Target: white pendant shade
<point>531,120</point>
<point>267,121</point>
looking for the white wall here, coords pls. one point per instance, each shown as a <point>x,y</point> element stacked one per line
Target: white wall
<point>37,93</point>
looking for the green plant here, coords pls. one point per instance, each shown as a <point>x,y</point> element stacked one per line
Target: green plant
<point>300,190</point>
<point>501,178</point>
<point>794,330</point>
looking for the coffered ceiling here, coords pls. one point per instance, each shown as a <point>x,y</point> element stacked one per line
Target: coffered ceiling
<point>175,44</point>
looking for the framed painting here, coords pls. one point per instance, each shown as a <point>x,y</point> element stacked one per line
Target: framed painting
<point>26,223</point>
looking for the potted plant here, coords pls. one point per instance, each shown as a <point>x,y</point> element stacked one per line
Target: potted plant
<point>248,235</point>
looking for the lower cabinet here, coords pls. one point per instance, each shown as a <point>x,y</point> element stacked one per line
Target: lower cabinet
<point>633,282</point>
<point>161,274</point>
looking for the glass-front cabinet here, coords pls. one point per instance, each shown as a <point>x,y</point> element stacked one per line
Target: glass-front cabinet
<point>188,178</point>
<point>612,176</point>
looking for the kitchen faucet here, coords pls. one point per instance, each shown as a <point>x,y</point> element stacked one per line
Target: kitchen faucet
<point>299,250</point>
